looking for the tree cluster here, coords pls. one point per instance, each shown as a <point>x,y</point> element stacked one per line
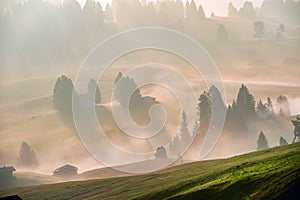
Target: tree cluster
<point>64,92</point>
<point>27,157</point>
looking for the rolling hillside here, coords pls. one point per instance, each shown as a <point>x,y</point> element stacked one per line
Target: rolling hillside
<point>268,174</point>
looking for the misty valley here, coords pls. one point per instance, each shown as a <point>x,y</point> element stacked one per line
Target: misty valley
<point>135,99</point>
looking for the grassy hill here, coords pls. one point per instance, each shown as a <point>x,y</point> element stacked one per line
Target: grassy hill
<point>268,174</point>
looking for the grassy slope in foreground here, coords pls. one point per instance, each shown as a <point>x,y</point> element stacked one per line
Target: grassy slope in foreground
<point>258,175</point>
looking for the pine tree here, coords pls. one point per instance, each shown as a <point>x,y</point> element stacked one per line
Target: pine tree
<point>232,11</point>
<point>282,141</point>
<point>204,111</point>
<point>201,14</point>
<point>262,142</point>
<point>222,34</point>
<point>261,109</point>
<point>247,11</point>
<point>191,11</point>
<point>270,108</point>
<point>245,103</point>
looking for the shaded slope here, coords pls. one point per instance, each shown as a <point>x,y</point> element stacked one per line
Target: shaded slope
<point>268,174</point>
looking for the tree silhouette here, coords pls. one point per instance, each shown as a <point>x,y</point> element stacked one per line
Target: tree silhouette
<point>262,142</point>
<point>247,11</point>
<point>160,153</point>
<point>191,12</point>
<point>232,11</point>
<point>27,157</point>
<point>262,109</point>
<point>259,29</point>
<point>282,141</point>
<point>183,130</point>
<point>201,13</point>
<point>204,111</point>
<point>270,108</point>
<point>284,106</point>
<point>245,103</point>
<point>62,95</point>
<point>222,34</point>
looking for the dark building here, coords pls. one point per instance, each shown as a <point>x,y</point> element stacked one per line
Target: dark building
<point>6,173</point>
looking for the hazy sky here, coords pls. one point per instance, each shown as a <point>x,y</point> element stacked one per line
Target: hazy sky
<point>219,7</point>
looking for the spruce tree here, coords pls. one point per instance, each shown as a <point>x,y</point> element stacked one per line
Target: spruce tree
<point>222,34</point>
<point>204,111</point>
<point>282,141</point>
<point>246,103</point>
<point>262,142</point>
<point>261,109</point>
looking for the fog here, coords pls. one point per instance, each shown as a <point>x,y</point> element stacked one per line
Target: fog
<point>39,42</point>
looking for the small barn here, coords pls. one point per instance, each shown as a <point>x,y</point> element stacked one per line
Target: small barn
<point>6,173</point>
<point>66,171</point>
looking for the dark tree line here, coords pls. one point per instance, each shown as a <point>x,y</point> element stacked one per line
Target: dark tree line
<point>37,32</point>
<point>282,8</point>
<point>243,109</point>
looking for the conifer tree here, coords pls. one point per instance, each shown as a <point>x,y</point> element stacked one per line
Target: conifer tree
<point>262,142</point>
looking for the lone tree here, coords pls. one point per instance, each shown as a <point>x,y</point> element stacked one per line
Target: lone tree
<point>93,91</point>
<point>282,141</point>
<point>27,157</point>
<point>259,29</point>
<point>160,153</point>
<point>262,142</point>
<point>62,95</point>
<point>222,34</point>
